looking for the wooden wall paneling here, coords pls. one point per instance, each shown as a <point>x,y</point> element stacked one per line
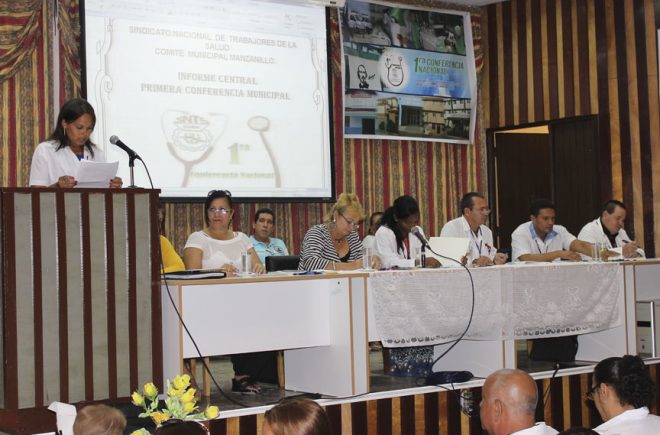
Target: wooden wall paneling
<point>587,57</point>
<point>643,176</point>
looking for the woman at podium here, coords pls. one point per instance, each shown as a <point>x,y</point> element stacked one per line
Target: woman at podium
<point>55,161</point>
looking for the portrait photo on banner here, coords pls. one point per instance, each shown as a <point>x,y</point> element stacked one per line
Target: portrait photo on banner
<point>408,73</point>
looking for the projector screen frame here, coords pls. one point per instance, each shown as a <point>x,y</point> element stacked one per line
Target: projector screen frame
<point>250,199</point>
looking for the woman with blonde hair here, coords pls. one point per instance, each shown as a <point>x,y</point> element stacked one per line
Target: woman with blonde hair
<point>335,244</point>
<point>296,417</point>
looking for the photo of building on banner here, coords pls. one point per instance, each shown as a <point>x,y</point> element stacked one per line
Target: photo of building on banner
<point>408,73</point>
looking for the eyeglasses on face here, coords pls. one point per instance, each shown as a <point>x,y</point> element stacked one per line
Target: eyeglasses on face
<point>591,391</point>
<point>484,210</point>
<point>221,210</point>
<point>352,223</point>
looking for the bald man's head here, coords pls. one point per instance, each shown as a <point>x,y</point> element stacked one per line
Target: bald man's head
<point>508,404</point>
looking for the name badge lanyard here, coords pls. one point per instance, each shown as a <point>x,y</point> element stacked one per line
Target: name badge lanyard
<point>473,237</point>
<point>539,248</point>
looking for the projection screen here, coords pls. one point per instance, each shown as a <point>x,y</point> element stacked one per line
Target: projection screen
<point>213,94</point>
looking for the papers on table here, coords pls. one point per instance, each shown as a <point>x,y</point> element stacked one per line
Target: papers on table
<point>404,263</point>
<point>96,174</point>
<point>452,247</point>
<point>620,257</point>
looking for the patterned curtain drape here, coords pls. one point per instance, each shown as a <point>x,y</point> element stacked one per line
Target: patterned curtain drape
<point>68,18</point>
<point>20,26</point>
<point>25,72</point>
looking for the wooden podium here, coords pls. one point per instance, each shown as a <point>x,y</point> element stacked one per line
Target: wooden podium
<point>81,305</point>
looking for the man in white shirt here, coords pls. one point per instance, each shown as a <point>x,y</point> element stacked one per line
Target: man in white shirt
<point>472,225</point>
<point>542,240</point>
<point>508,405</point>
<point>608,229</point>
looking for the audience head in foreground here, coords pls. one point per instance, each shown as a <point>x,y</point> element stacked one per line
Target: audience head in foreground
<point>508,404</point>
<point>99,420</point>
<point>622,390</point>
<point>296,417</point>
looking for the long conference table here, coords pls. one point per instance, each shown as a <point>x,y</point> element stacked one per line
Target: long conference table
<point>324,322</point>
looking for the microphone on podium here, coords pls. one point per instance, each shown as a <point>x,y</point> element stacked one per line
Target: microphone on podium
<point>116,141</point>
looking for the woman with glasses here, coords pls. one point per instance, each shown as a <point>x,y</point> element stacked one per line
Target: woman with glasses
<point>218,246</point>
<point>335,245</point>
<point>56,161</point>
<point>622,390</point>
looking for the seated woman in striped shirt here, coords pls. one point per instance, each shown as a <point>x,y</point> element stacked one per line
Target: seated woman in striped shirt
<point>335,245</point>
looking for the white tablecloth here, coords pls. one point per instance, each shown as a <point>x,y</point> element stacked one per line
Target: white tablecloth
<point>432,306</point>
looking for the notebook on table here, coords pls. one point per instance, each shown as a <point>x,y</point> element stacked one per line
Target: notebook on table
<point>196,274</point>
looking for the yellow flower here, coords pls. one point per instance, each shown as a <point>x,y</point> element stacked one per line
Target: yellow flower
<point>181,382</point>
<point>189,407</point>
<point>137,399</point>
<point>188,396</point>
<point>150,391</point>
<point>173,392</point>
<point>159,417</point>
<point>212,412</point>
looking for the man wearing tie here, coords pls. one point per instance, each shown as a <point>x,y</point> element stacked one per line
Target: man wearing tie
<point>608,229</point>
<point>472,225</point>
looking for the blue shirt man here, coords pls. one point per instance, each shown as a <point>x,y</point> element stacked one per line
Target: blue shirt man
<point>263,243</point>
<point>542,240</point>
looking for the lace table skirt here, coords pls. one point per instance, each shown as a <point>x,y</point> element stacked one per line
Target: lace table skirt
<point>432,306</point>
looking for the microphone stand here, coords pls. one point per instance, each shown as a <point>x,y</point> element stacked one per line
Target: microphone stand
<point>423,257</point>
<point>131,167</point>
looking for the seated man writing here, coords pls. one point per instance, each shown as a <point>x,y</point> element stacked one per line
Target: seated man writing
<point>608,230</point>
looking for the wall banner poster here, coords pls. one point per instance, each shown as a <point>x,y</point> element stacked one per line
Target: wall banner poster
<point>408,73</point>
